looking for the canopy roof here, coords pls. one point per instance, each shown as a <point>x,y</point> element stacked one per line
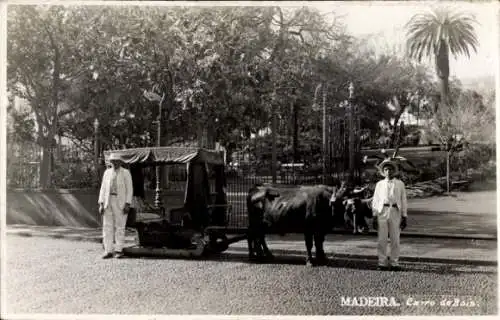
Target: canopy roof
<point>167,155</point>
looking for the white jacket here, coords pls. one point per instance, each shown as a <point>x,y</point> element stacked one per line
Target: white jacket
<point>380,197</point>
<point>124,187</point>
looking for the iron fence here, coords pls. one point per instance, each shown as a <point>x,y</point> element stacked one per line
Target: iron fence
<point>69,166</point>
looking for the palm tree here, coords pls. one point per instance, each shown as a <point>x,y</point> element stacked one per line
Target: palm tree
<point>437,34</point>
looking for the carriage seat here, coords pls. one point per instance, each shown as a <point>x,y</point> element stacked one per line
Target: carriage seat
<point>178,216</point>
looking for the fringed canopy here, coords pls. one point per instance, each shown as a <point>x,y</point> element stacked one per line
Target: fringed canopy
<point>167,155</point>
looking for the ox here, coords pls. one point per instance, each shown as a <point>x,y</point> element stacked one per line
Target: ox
<point>303,209</point>
<point>357,210</point>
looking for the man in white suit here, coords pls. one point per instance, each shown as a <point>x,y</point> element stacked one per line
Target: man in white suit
<point>389,207</point>
<point>115,198</point>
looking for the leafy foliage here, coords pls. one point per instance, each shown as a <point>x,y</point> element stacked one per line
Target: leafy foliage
<point>437,34</point>
<point>216,73</point>
<point>468,120</point>
<point>442,28</point>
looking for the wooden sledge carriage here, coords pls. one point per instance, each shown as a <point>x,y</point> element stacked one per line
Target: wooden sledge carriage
<point>199,225</point>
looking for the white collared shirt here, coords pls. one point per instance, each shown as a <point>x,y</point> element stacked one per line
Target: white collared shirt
<point>390,192</point>
<point>113,188</point>
<point>122,180</point>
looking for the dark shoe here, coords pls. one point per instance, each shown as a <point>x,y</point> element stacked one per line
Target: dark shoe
<point>119,255</point>
<point>107,256</point>
<point>395,268</point>
<point>269,256</point>
<point>322,261</point>
<point>382,268</point>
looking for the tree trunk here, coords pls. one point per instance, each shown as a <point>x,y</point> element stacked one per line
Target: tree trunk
<point>444,90</point>
<point>46,144</point>
<point>59,147</point>
<point>45,167</point>
<point>200,134</point>
<point>395,127</point>
<point>448,155</point>
<point>443,71</point>
<point>210,131</point>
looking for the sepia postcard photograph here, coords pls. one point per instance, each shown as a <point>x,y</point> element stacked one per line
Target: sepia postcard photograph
<point>242,159</point>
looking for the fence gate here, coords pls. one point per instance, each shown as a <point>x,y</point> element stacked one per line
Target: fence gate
<point>337,163</point>
<point>254,163</point>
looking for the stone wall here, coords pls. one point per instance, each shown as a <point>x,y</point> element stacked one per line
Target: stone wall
<point>60,207</point>
<point>65,207</point>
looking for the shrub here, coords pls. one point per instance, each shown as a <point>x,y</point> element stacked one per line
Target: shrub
<point>74,175</point>
<point>474,156</point>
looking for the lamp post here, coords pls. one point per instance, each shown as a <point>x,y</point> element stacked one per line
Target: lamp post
<point>325,145</point>
<point>351,133</point>
<point>158,202</point>
<point>96,149</point>
<point>154,97</point>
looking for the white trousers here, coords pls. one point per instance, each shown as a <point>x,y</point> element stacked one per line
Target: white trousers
<point>113,226</point>
<point>388,225</point>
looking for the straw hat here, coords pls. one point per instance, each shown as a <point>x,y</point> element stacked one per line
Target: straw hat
<point>115,157</point>
<point>388,162</point>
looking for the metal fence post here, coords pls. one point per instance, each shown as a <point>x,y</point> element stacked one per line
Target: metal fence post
<point>274,125</point>
<point>324,134</point>
<point>96,151</point>
<point>158,202</point>
<point>351,133</point>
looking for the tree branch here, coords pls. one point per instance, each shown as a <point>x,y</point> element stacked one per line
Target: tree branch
<point>55,77</point>
<point>298,33</point>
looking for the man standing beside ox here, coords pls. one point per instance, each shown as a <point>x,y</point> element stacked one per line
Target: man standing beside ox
<point>115,198</point>
<point>390,213</point>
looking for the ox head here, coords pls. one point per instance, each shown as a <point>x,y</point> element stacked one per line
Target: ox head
<point>263,196</point>
<point>357,210</point>
<point>339,192</point>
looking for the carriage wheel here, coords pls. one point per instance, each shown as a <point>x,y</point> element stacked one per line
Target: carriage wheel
<point>218,243</point>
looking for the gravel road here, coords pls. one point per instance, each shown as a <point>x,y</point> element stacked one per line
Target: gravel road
<point>58,276</point>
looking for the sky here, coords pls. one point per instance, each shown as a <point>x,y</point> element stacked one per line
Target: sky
<point>385,22</point>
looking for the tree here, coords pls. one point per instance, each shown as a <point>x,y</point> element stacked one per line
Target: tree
<point>386,86</point>
<point>41,66</point>
<point>21,125</point>
<point>230,71</point>
<point>436,35</point>
<point>392,87</point>
<point>467,121</point>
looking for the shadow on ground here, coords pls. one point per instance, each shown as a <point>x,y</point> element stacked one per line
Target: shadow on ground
<point>345,262</point>
<point>451,222</point>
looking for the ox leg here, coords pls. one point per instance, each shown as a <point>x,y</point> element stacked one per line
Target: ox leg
<point>347,222</point>
<point>252,252</point>
<point>309,244</point>
<point>265,250</point>
<point>367,218</point>
<point>355,223</point>
<point>258,247</point>
<point>363,225</point>
<point>319,239</point>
